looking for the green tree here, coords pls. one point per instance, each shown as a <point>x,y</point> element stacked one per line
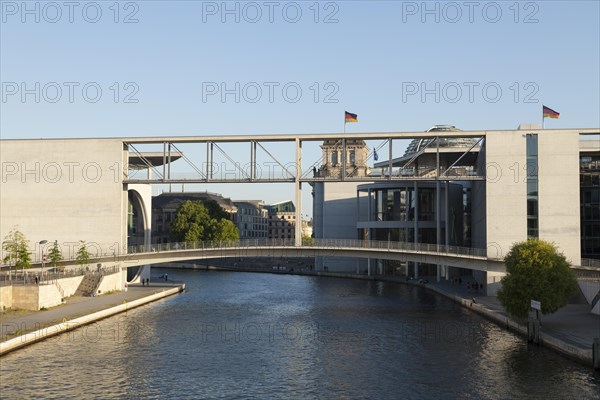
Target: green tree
<point>226,231</point>
<point>215,211</point>
<point>83,256</point>
<point>194,223</point>
<point>16,249</point>
<point>55,255</point>
<point>308,241</point>
<point>536,271</point>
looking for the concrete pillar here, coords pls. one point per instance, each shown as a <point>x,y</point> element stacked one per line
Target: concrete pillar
<point>596,353</point>
<point>369,209</point>
<point>438,222</point>
<point>343,157</point>
<point>416,222</point>
<point>493,282</point>
<point>447,222</point>
<point>298,186</point>
<point>253,160</point>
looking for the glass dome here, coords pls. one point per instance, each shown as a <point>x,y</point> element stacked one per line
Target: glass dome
<point>418,144</point>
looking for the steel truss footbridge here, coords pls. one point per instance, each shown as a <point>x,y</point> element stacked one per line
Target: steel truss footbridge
<point>461,257</point>
<point>154,167</point>
<point>157,164</point>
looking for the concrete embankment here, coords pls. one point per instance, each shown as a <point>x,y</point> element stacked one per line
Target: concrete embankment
<point>70,324</point>
<point>577,353</point>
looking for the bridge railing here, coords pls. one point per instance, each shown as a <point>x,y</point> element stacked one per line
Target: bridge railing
<point>320,243</point>
<point>590,263</point>
<point>51,275</point>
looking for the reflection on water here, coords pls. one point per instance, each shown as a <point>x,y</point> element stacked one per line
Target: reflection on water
<point>244,335</point>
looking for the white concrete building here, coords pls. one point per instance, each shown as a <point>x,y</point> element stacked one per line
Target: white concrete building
<point>70,190</point>
<point>486,192</point>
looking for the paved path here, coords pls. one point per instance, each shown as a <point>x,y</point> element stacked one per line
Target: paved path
<point>76,306</point>
<point>574,323</point>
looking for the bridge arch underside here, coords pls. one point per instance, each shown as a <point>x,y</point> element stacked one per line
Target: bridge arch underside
<point>473,263</point>
<point>137,228</point>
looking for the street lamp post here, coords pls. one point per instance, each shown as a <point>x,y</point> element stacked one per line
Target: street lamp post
<point>41,243</point>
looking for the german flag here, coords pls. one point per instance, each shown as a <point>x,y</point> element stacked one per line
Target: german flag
<point>351,117</point>
<point>549,113</point>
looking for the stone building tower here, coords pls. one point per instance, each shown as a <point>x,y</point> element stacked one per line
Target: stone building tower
<point>357,152</point>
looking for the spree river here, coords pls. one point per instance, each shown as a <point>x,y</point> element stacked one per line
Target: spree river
<point>245,335</point>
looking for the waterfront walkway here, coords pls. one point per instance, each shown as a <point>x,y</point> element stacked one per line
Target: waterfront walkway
<point>76,306</point>
<point>571,330</point>
<point>573,324</point>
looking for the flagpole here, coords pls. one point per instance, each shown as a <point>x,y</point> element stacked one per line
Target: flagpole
<point>543,116</point>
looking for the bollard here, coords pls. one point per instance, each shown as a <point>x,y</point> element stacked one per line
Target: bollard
<point>596,353</point>
<point>530,329</point>
<point>533,330</point>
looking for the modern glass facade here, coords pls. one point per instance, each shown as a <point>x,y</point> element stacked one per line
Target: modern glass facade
<point>418,144</point>
<point>398,204</point>
<point>532,186</point>
<point>590,206</point>
<point>397,209</point>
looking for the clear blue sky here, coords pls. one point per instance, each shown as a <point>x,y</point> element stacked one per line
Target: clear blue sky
<point>373,58</point>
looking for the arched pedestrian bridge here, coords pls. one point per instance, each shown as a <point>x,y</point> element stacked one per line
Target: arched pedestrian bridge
<point>461,257</point>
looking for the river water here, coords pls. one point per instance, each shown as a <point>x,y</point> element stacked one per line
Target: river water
<point>245,335</point>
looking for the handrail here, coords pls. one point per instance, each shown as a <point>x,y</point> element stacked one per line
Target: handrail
<point>46,277</point>
<point>313,243</point>
<point>441,249</point>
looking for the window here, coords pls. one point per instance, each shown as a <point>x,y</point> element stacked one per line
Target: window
<point>532,185</point>
<point>334,157</point>
<point>352,157</point>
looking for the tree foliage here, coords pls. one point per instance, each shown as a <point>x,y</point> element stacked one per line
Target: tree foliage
<point>536,271</point>
<point>55,255</point>
<point>83,256</point>
<point>308,241</point>
<point>16,249</point>
<point>197,221</point>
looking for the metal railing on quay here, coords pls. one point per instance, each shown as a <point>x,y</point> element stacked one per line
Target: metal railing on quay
<point>49,277</point>
<point>590,263</point>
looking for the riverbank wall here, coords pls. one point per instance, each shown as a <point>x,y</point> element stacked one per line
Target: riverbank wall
<point>68,325</point>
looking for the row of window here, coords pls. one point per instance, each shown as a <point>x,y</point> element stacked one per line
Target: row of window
<point>336,157</point>
<point>252,234</point>
<point>590,248</point>
<point>282,216</point>
<point>252,211</point>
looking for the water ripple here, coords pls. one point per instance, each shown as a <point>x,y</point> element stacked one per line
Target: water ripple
<point>257,336</point>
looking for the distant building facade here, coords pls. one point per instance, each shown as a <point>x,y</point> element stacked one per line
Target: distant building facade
<point>334,203</point>
<point>355,158</point>
<point>282,220</point>
<point>165,205</point>
<point>251,219</point>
